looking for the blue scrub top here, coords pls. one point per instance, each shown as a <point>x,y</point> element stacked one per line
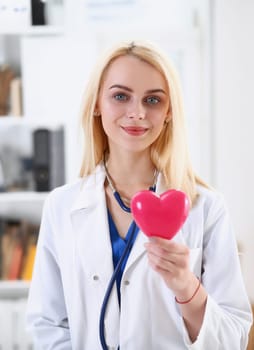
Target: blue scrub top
<point>118,245</point>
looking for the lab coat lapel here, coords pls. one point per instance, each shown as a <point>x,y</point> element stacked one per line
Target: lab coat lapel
<point>137,250</point>
<point>90,226</point>
<point>93,246</point>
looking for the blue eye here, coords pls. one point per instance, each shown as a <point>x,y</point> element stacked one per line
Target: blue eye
<point>120,97</point>
<point>152,100</point>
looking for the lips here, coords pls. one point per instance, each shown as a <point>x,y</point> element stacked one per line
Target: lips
<point>134,130</point>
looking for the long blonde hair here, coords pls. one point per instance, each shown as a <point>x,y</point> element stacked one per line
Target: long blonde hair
<point>169,152</point>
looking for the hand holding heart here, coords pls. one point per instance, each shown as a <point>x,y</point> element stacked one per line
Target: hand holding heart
<point>171,260</point>
<point>162,215</point>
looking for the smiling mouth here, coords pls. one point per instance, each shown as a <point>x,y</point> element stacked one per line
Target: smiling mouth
<point>134,130</point>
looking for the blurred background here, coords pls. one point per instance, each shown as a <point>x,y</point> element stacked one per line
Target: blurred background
<point>47,50</point>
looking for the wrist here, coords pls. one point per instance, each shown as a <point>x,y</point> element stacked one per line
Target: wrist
<point>187,295</point>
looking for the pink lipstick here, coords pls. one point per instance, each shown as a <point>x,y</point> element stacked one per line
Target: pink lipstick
<point>134,130</point>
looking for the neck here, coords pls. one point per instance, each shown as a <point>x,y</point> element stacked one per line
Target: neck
<point>123,185</point>
<point>128,177</point>
<point>131,170</point>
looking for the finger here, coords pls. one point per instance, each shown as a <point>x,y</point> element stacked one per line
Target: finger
<point>169,245</point>
<point>171,274</point>
<point>158,263</point>
<point>179,261</point>
<point>162,249</point>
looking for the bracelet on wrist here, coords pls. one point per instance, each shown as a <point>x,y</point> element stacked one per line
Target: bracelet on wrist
<point>193,295</point>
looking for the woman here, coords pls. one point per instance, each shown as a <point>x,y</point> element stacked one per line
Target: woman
<point>184,293</point>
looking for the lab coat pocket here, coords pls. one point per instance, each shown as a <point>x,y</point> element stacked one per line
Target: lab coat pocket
<point>196,261</point>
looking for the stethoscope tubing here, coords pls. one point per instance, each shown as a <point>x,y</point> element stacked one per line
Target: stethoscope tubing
<point>109,290</point>
<point>117,269</point>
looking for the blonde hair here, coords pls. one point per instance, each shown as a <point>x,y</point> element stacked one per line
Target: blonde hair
<point>169,152</point>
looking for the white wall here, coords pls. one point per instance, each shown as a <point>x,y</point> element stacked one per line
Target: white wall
<point>233,120</point>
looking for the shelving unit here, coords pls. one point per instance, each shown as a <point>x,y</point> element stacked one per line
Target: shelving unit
<point>21,205</point>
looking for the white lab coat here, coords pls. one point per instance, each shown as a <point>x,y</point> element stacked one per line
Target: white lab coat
<point>74,264</point>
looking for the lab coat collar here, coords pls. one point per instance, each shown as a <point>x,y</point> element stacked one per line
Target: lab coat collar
<point>88,195</point>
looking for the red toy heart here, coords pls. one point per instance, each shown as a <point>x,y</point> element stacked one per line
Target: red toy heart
<point>160,216</point>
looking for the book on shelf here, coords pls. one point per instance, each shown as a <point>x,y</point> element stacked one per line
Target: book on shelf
<point>10,239</point>
<point>1,233</point>
<point>35,160</point>
<point>6,76</point>
<point>28,264</point>
<point>18,241</point>
<point>38,12</point>
<point>48,158</point>
<point>16,262</point>
<point>10,92</point>
<point>16,97</point>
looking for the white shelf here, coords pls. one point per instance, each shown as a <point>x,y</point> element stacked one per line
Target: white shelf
<point>7,120</point>
<point>34,30</point>
<point>22,205</point>
<point>14,289</point>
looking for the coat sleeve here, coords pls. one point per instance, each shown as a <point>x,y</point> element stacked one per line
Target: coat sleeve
<point>228,316</point>
<point>46,311</point>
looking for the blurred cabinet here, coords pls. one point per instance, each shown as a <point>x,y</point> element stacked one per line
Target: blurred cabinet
<point>13,301</point>
<point>12,323</point>
<point>15,28</point>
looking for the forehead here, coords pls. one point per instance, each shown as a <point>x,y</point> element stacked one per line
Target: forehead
<point>130,70</point>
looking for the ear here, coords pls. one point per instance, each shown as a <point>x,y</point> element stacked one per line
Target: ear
<point>168,118</point>
<point>96,112</point>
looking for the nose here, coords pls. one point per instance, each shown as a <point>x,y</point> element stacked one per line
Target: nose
<point>137,112</point>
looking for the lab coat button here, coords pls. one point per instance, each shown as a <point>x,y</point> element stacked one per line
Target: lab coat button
<point>95,278</point>
<point>126,282</point>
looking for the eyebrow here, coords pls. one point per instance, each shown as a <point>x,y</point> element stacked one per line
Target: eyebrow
<point>152,91</point>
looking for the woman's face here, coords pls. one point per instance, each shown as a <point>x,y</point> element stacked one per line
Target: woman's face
<point>133,103</point>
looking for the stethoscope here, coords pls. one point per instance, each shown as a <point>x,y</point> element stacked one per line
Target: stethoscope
<point>125,252</point>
